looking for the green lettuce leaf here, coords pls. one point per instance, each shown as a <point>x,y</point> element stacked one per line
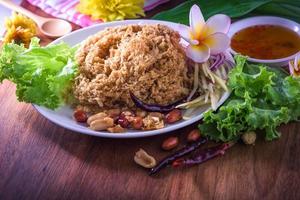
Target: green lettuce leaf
<point>227,124</point>
<point>43,75</point>
<point>252,79</point>
<point>262,98</point>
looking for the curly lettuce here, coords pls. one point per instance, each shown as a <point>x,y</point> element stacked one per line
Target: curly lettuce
<point>262,98</point>
<point>43,75</point>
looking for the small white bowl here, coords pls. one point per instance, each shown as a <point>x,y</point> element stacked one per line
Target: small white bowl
<point>265,20</point>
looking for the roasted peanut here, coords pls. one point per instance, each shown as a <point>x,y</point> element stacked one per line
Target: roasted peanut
<point>193,136</point>
<point>137,123</point>
<point>143,159</point>
<point>80,116</point>
<point>116,129</point>
<point>102,124</point>
<point>170,143</point>
<point>249,137</point>
<point>114,112</point>
<point>173,116</point>
<point>99,115</point>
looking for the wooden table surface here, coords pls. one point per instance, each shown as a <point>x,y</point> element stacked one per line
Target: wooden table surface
<point>40,160</point>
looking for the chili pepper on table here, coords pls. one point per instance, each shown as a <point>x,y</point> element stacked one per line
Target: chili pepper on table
<point>178,154</point>
<point>203,156</point>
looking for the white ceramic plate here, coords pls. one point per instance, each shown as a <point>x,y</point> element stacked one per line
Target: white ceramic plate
<point>63,115</point>
<point>265,20</point>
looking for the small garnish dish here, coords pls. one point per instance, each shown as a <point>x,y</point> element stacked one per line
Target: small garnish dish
<point>266,45</point>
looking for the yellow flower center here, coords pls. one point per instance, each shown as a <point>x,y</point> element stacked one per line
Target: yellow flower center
<point>109,10</point>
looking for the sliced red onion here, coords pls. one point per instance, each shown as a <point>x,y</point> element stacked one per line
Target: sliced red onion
<point>229,57</point>
<point>229,63</point>
<point>218,61</point>
<point>223,58</point>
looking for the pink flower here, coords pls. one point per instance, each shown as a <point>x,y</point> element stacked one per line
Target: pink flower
<point>205,38</point>
<point>294,66</point>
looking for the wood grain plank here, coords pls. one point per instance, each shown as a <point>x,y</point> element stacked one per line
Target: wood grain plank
<point>39,160</point>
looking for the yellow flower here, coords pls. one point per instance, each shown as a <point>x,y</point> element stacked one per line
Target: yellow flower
<point>110,10</point>
<point>19,29</point>
<point>205,38</point>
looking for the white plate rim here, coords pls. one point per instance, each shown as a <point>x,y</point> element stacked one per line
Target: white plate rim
<point>129,134</point>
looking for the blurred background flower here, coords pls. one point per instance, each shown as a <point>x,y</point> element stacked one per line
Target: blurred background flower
<point>19,29</point>
<point>110,10</point>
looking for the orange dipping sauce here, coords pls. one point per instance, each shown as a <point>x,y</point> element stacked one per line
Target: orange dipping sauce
<point>266,42</point>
